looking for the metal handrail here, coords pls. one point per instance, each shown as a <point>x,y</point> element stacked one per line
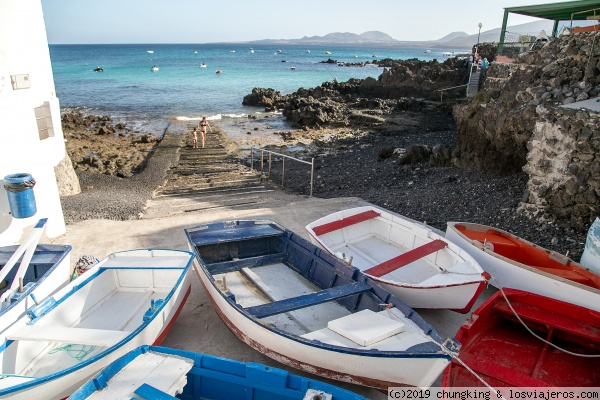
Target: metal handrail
<point>449,88</point>
<point>262,157</point>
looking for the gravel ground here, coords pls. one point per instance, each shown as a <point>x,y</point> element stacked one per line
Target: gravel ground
<point>352,167</point>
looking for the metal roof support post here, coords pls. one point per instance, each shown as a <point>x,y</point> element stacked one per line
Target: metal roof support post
<point>503,32</point>
<point>555,29</point>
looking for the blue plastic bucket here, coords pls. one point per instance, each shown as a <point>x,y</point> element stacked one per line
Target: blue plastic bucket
<point>21,200</point>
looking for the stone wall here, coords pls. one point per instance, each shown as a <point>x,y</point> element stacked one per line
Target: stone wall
<point>563,164</point>
<point>66,178</point>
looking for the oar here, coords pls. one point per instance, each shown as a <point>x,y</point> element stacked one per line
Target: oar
<point>28,247</point>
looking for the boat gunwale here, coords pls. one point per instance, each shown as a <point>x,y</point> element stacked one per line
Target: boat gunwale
<point>426,328</point>
<point>36,381</point>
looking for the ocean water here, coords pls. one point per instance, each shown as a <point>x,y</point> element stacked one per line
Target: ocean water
<point>129,91</point>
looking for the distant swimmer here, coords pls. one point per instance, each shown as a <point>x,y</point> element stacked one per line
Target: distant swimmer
<point>293,68</point>
<point>154,68</point>
<point>202,65</point>
<point>219,72</point>
<point>99,69</point>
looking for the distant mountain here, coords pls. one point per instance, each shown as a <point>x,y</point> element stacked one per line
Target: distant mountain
<point>376,36</point>
<point>453,36</point>
<point>338,37</point>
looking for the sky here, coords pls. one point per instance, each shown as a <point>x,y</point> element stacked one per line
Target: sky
<point>202,21</point>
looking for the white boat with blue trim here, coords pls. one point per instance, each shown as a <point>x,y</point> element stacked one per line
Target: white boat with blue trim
<point>42,270</point>
<point>299,305</point>
<point>129,299</point>
<point>152,372</point>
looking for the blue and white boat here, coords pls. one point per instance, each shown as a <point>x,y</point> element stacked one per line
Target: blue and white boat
<point>150,372</point>
<point>299,305</point>
<point>129,299</point>
<point>42,270</point>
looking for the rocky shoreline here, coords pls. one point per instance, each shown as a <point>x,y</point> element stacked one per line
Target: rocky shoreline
<point>371,141</point>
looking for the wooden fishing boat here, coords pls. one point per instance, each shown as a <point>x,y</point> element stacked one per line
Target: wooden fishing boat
<point>161,373</point>
<point>516,263</point>
<point>129,299</point>
<point>42,270</point>
<point>299,305</point>
<point>403,256</point>
<point>501,350</point>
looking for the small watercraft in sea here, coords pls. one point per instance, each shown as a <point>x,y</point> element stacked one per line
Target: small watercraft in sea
<point>232,51</point>
<point>403,256</point>
<point>251,50</point>
<point>327,52</point>
<point>218,72</point>
<point>154,68</point>
<point>297,304</point>
<point>195,52</point>
<point>129,299</point>
<point>293,68</point>
<point>99,69</point>
<point>498,348</point>
<point>279,51</point>
<point>308,51</point>
<point>150,51</point>
<point>374,55</point>
<point>42,270</point>
<point>516,263</point>
<point>159,373</point>
<point>202,65</point>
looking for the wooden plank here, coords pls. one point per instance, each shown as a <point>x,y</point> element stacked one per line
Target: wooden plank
<point>307,300</point>
<point>235,234</point>
<point>59,334</point>
<point>406,258</point>
<point>345,222</point>
<point>151,393</point>
<point>232,266</point>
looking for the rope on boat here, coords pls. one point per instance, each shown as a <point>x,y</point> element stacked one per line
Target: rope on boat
<point>77,353</point>
<point>537,336</point>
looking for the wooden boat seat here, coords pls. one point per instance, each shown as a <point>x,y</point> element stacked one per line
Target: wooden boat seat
<point>406,258</point>
<point>59,334</point>
<point>146,391</point>
<point>567,274</point>
<point>502,244</point>
<point>345,222</point>
<point>250,262</point>
<point>529,312</point>
<point>307,300</point>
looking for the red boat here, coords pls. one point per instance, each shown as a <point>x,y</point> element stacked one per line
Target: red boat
<point>500,350</point>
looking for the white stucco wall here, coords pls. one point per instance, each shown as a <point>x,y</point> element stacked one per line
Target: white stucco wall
<point>24,50</point>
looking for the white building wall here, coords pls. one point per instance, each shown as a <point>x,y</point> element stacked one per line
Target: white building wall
<point>24,51</point>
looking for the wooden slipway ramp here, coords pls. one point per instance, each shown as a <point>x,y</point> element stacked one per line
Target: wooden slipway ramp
<point>205,179</point>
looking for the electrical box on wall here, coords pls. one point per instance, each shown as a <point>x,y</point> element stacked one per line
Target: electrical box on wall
<point>20,81</point>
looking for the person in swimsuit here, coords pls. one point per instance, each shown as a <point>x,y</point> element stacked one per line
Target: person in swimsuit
<point>195,139</point>
<point>202,125</point>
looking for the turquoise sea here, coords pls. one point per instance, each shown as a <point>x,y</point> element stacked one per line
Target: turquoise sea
<point>128,90</point>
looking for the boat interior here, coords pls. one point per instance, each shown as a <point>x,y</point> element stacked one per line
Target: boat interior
<point>529,254</point>
<point>106,308</point>
<point>43,259</point>
<point>282,279</point>
<point>370,243</point>
<point>501,350</point>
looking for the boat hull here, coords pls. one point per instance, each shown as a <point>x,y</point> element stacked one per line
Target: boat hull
<point>510,274</point>
<point>446,291</point>
<point>63,383</point>
<point>57,276</point>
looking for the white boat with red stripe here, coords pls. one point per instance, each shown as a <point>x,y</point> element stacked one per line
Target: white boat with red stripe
<point>403,256</point>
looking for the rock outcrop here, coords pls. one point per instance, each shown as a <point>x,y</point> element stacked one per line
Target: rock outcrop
<point>94,143</point>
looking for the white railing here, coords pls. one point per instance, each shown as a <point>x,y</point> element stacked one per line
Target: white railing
<point>284,156</point>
